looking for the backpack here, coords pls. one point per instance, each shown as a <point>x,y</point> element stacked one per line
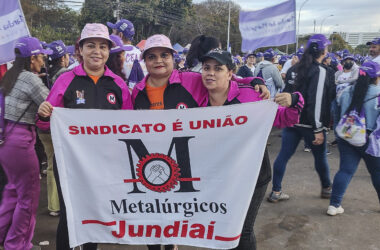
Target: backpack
<point>352,128</point>
<point>374,141</point>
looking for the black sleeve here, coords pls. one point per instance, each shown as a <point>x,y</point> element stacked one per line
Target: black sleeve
<point>290,80</point>
<point>244,72</point>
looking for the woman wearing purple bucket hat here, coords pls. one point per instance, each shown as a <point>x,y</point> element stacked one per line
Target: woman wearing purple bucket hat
<point>99,88</point>
<point>363,96</point>
<point>24,91</point>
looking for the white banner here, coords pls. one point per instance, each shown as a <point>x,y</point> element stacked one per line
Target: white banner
<point>160,176</point>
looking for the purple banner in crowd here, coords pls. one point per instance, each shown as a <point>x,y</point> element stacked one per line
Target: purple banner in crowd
<point>272,26</point>
<point>12,27</point>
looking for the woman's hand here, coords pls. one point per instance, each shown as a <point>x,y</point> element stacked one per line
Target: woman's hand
<point>265,94</point>
<point>45,109</point>
<point>319,138</point>
<point>284,99</point>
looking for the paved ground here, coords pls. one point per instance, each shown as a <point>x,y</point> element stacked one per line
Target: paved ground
<point>301,222</point>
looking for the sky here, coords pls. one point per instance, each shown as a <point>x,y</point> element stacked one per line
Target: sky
<point>348,15</point>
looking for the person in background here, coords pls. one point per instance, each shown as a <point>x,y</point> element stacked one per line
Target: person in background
<point>269,72</point>
<point>24,91</point>
<point>343,79</point>
<point>374,50</point>
<point>116,59</point>
<point>249,67</point>
<point>126,31</point>
<point>310,78</point>
<point>97,84</point>
<point>291,62</point>
<point>199,47</point>
<point>357,97</point>
<point>259,57</point>
<point>58,62</point>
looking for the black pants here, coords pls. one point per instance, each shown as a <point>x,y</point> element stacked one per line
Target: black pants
<point>40,151</point>
<point>62,237</point>
<point>3,182</point>
<point>158,247</point>
<point>248,239</point>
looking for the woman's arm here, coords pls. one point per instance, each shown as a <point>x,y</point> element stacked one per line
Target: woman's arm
<point>288,115</point>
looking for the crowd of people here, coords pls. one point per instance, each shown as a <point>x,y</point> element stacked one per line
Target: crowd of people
<point>316,90</point>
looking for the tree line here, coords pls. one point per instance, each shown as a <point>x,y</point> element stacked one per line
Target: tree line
<point>181,20</point>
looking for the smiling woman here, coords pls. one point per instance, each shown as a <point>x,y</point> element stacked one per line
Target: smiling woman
<point>90,85</point>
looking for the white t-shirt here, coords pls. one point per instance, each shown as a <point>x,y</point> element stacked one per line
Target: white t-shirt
<point>130,57</point>
<point>376,59</point>
<point>286,66</point>
<point>340,87</point>
<point>251,68</point>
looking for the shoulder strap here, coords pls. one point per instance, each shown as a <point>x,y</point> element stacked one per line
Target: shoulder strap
<point>18,120</point>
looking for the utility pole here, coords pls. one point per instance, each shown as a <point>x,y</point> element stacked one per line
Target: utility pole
<point>117,10</point>
<point>228,29</point>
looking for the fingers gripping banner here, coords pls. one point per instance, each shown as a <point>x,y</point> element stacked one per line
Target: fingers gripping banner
<point>164,176</point>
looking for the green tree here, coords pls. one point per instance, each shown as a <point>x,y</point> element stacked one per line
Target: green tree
<point>50,20</point>
<point>361,49</point>
<point>338,43</point>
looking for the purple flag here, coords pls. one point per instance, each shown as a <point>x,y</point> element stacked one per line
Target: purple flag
<point>12,27</point>
<point>272,26</point>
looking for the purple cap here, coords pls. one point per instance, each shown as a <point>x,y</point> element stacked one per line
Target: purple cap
<point>29,46</point>
<point>348,56</point>
<point>375,41</point>
<point>119,46</point>
<point>371,68</point>
<point>70,49</point>
<point>300,52</point>
<point>269,54</point>
<point>319,39</point>
<point>124,26</point>
<point>59,49</point>
<point>259,54</point>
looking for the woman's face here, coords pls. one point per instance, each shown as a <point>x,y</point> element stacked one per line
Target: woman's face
<point>95,53</point>
<point>121,57</point>
<point>215,76</point>
<point>159,62</point>
<point>37,62</point>
<point>65,60</point>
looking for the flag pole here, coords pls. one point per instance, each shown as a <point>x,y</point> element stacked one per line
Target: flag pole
<point>228,29</point>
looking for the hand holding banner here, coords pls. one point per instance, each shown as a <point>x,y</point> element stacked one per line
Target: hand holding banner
<point>160,177</point>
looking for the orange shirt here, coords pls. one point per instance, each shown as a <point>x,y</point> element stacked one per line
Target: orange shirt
<point>155,96</point>
<point>94,78</point>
